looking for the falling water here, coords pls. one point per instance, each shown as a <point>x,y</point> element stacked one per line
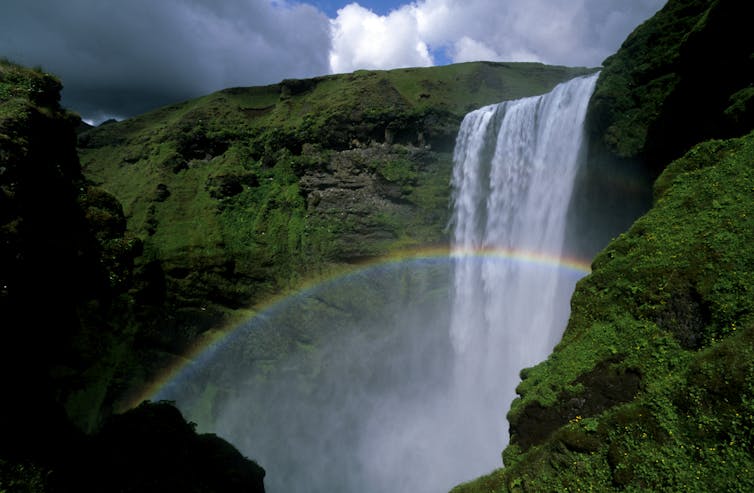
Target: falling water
<point>410,389</point>
<point>515,166</point>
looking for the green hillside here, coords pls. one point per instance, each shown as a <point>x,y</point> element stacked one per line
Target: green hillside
<point>651,387</point>
<point>175,223</point>
<point>247,192</point>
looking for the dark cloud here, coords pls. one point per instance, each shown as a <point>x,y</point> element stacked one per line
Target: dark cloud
<point>122,58</point>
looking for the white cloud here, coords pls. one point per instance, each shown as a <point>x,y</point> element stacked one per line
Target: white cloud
<point>565,32</point>
<point>126,57</point>
<point>362,39</point>
<point>469,50</point>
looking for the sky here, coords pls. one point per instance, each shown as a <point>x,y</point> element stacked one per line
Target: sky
<point>117,59</point>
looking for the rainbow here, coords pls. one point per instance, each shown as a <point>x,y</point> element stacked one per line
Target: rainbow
<point>213,339</point>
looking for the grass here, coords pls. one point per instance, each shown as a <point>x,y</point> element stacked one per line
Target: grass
<point>671,301</point>
<point>233,162</point>
<point>655,100</point>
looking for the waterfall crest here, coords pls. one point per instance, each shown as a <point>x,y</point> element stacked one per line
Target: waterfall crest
<point>408,392</point>
<point>515,165</point>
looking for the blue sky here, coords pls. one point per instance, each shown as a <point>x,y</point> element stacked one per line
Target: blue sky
<point>381,7</point>
<point>117,58</point>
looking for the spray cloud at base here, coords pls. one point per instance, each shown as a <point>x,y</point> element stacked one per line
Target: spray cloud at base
<point>398,377</point>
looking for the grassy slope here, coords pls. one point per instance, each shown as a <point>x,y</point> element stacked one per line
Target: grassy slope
<point>651,386</point>
<point>213,185</point>
<point>670,307</point>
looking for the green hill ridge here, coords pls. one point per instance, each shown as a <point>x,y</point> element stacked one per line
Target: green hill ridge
<point>250,192</point>
<point>650,388</point>
<point>178,221</point>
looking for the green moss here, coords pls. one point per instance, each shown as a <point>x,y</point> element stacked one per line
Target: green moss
<point>670,300</point>
<point>35,86</point>
<point>655,98</point>
<point>213,186</point>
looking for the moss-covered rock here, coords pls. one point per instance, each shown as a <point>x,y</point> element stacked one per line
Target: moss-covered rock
<point>68,332</point>
<point>660,343</point>
<point>65,255</point>
<point>247,192</point>
<point>682,77</point>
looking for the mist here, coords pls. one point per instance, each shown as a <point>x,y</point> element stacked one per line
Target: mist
<point>368,396</point>
<point>359,399</point>
<point>397,377</point>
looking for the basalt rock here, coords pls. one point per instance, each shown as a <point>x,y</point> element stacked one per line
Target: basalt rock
<point>682,77</point>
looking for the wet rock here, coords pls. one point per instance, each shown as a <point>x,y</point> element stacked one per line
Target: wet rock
<point>228,185</point>
<point>605,386</point>
<point>161,193</point>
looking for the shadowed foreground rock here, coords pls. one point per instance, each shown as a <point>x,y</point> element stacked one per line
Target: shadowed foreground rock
<point>152,448</point>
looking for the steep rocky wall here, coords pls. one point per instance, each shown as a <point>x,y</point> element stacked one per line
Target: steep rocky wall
<point>682,77</point>
<point>68,325</point>
<point>65,259</point>
<point>650,388</point>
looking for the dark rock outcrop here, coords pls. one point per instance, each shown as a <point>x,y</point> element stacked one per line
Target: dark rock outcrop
<point>65,258</point>
<point>682,77</point>
<point>151,448</point>
<point>606,385</point>
<point>66,265</point>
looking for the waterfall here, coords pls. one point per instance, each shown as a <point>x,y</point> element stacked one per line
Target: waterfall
<point>408,392</point>
<point>514,169</point>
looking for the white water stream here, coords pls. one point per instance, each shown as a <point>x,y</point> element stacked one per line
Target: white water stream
<point>515,167</point>
<point>410,392</point>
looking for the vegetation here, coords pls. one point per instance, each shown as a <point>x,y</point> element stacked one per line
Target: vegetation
<point>68,327</point>
<point>682,77</point>
<point>248,192</point>
<point>651,387</point>
<point>65,256</point>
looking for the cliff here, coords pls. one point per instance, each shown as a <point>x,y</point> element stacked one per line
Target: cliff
<point>682,77</point>
<point>248,192</point>
<point>68,324</point>
<point>650,388</point>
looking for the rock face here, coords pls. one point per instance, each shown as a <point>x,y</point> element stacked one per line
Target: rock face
<point>607,385</point>
<point>65,257</point>
<point>368,192</point>
<point>66,265</point>
<point>250,191</point>
<point>682,77</point>
<point>650,388</point>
